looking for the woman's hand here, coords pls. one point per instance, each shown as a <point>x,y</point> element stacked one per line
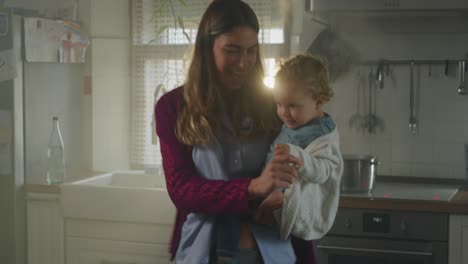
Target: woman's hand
<point>264,214</point>
<point>279,173</point>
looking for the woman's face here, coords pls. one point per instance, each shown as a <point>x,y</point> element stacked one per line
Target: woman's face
<point>235,54</point>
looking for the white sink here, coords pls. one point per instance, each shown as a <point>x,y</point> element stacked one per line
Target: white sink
<point>130,196</point>
<point>126,179</point>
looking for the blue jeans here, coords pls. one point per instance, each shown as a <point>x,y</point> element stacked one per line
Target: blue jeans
<point>227,239</point>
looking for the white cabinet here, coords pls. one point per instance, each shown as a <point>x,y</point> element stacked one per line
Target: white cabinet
<point>106,242</point>
<point>96,251</point>
<point>458,239</point>
<point>45,228</point>
<point>53,239</point>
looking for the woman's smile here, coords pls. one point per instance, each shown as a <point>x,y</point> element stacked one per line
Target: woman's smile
<point>235,55</point>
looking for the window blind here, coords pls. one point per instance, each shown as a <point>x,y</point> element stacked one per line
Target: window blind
<point>160,56</point>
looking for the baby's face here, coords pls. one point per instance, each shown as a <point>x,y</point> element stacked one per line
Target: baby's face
<point>294,107</point>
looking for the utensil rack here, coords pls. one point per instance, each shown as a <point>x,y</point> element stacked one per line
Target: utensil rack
<point>401,62</point>
<point>462,89</point>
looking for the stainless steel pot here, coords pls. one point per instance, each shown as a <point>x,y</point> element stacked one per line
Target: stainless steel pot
<point>359,173</point>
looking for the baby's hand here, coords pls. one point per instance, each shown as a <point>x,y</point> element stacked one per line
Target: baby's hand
<point>281,149</point>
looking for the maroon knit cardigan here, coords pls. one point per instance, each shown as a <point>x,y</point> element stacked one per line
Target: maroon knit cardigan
<point>191,193</point>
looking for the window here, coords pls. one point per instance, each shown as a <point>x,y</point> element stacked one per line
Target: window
<point>160,50</point>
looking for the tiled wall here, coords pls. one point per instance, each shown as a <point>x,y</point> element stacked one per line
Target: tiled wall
<point>437,150</point>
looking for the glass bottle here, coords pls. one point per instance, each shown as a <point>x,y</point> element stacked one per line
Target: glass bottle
<point>55,155</point>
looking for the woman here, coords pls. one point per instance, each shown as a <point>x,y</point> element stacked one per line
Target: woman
<point>214,133</point>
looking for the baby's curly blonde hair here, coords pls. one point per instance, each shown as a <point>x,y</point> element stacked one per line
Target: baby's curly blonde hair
<point>309,72</point>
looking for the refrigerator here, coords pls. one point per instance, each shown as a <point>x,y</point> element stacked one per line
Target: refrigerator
<point>12,161</point>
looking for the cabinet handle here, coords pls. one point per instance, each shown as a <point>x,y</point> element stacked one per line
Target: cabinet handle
<point>378,250</point>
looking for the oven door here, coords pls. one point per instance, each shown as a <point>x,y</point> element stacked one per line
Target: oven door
<point>350,250</point>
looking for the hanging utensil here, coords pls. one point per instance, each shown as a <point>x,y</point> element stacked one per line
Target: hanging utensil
<point>413,123</point>
<point>461,77</point>
<point>357,120</point>
<point>379,123</point>
<point>371,119</point>
<point>379,75</point>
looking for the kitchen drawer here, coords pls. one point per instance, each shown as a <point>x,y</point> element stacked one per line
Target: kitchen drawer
<point>96,251</point>
<point>123,231</point>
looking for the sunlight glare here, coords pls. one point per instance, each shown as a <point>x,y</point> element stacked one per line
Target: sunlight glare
<point>269,81</point>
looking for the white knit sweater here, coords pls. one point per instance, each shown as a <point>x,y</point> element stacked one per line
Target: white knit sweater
<point>310,204</point>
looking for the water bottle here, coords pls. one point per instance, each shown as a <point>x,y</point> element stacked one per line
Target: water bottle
<point>55,155</point>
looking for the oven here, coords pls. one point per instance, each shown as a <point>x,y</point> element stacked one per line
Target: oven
<point>383,237</point>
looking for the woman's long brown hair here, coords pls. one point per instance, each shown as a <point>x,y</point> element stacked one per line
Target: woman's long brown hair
<point>203,105</point>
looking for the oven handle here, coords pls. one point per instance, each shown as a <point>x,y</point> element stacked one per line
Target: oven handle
<point>377,250</point>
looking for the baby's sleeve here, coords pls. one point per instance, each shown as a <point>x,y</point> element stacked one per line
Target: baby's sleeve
<point>317,164</point>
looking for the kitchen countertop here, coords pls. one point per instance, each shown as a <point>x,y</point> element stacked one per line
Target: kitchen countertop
<point>51,189</point>
<point>457,205</point>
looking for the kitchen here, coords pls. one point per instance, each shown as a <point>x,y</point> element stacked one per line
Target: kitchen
<point>436,151</point>
<point>417,47</point>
